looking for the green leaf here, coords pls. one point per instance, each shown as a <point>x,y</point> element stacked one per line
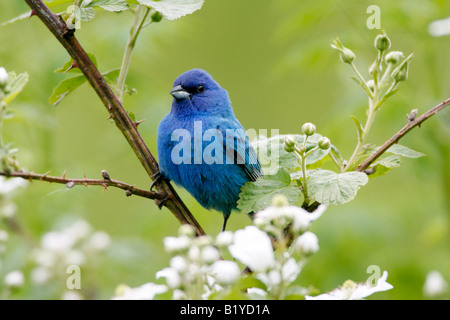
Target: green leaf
<point>67,67</point>
<point>359,127</point>
<point>331,188</point>
<point>174,9</point>
<point>64,88</point>
<point>258,195</point>
<point>382,166</point>
<point>110,5</point>
<point>403,151</point>
<point>15,85</point>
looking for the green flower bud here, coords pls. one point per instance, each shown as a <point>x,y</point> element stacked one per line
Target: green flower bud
<point>157,16</point>
<point>401,72</point>
<point>382,42</point>
<point>309,129</point>
<point>394,57</point>
<point>289,143</point>
<point>324,143</point>
<point>347,55</point>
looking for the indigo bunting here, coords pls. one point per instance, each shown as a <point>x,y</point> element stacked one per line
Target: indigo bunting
<point>203,147</point>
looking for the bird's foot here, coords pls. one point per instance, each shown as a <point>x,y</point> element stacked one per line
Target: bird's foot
<point>157,177</point>
<point>162,202</point>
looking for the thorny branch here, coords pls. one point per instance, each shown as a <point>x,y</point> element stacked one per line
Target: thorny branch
<point>105,183</point>
<point>412,123</point>
<point>128,127</point>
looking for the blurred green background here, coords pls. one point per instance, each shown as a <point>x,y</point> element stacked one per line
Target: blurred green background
<point>275,60</point>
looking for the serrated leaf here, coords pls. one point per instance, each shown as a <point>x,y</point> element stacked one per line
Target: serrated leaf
<point>174,9</point>
<point>331,188</point>
<point>65,87</point>
<point>382,166</point>
<point>403,151</point>
<point>15,85</point>
<point>258,195</point>
<point>110,5</point>
<point>271,152</point>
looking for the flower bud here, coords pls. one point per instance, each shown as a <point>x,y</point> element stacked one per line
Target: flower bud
<point>186,230</point>
<point>324,143</point>
<point>14,279</point>
<point>289,143</point>
<point>4,77</point>
<point>308,129</point>
<point>157,16</point>
<point>347,55</point>
<point>307,244</point>
<point>382,42</point>
<point>401,72</point>
<point>393,57</point>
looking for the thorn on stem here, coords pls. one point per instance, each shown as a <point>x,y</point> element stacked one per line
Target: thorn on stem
<point>33,13</point>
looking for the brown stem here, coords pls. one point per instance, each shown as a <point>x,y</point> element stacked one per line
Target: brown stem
<point>128,128</point>
<point>396,137</point>
<point>105,183</point>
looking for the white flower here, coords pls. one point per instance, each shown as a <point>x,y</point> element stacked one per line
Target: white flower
<point>178,263</point>
<point>11,184</point>
<point>71,295</point>
<point>224,239</point>
<point>147,291</point>
<point>4,77</point>
<point>439,28</point>
<point>57,241</point>
<point>307,244</point>
<point>174,244</point>
<point>290,270</point>
<point>99,241</point>
<point>40,275</point>
<point>225,271</point>
<point>355,291</point>
<point>173,279</point>
<point>14,279</point>
<point>3,236</point>
<point>210,254</point>
<point>282,215</point>
<point>253,248</point>
<point>435,285</point>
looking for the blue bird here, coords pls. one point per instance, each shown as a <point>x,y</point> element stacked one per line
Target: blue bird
<point>203,147</point>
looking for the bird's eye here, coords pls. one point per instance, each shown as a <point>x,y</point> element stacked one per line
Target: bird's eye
<point>200,88</point>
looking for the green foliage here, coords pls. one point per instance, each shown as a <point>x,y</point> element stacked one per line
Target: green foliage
<point>258,195</point>
<point>331,188</point>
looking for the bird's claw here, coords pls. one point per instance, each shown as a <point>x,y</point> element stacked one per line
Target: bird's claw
<point>162,202</point>
<point>157,179</point>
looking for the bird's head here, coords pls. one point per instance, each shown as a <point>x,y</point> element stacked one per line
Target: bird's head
<point>196,91</point>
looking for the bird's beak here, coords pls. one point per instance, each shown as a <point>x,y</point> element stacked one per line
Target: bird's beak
<point>179,93</point>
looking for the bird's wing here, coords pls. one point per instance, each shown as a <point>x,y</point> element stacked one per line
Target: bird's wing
<point>239,150</point>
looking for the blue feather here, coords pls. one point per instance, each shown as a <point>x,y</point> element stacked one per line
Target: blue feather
<point>202,146</point>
